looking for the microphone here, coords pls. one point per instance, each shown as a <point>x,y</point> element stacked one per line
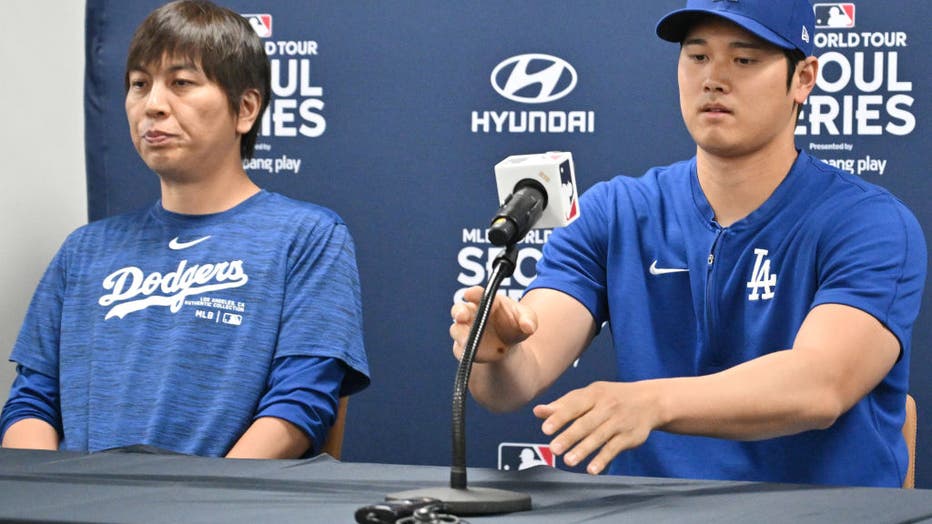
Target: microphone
<point>534,191</point>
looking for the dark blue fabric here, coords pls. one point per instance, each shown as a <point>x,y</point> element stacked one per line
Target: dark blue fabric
<point>304,391</point>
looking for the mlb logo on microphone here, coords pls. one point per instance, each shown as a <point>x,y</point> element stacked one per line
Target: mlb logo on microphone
<point>261,24</point>
<point>835,15</point>
<point>568,186</point>
<point>518,456</point>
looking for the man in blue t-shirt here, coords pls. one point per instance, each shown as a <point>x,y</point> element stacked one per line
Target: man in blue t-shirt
<point>224,320</point>
<point>760,301</point>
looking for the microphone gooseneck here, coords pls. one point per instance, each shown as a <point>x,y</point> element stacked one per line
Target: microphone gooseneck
<point>459,498</point>
<point>503,267</point>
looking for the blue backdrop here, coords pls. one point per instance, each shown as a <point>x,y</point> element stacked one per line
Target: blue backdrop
<point>389,114</point>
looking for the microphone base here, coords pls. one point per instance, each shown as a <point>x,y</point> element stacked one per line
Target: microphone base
<point>471,501</point>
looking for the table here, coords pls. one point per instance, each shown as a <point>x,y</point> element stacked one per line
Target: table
<point>147,487</point>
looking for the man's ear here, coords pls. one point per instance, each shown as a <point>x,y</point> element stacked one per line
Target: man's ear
<point>807,72</point>
<point>249,105</point>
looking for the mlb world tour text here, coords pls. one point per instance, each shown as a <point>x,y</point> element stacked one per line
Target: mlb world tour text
<point>879,102</point>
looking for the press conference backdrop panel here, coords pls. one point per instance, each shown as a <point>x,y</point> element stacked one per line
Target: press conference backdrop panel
<point>393,114</point>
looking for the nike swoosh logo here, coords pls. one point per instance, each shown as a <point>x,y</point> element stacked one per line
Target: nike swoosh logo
<point>654,270</point>
<point>177,245</point>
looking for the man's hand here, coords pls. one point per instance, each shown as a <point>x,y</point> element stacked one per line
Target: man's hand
<point>613,416</point>
<point>525,347</point>
<point>510,323</point>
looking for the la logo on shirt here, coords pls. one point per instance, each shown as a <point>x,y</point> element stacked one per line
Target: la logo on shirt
<point>762,281</point>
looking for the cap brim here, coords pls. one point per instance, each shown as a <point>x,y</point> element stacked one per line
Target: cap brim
<point>674,26</point>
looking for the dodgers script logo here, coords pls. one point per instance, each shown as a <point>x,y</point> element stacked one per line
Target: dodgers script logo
<point>534,78</point>
<point>131,290</point>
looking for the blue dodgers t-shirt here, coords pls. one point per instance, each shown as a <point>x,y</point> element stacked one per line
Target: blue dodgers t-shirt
<point>161,328</point>
<point>686,297</point>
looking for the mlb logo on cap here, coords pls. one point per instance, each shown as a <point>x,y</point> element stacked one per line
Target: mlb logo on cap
<point>518,456</point>
<point>261,24</point>
<point>834,15</point>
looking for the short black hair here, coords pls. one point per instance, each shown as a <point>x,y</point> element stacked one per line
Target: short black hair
<point>793,58</point>
<point>221,41</point>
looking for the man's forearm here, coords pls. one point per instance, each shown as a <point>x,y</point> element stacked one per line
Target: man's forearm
<point>779,394</point>
<point>565,329</point>
<point>271,438</point>
<point>31,433</point>
<point>507,384</point>
<point>840,354</point>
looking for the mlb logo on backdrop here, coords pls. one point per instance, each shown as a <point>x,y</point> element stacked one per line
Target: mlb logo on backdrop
<point>261,24</point>
<point>835,15</point>
<point>518,456</point>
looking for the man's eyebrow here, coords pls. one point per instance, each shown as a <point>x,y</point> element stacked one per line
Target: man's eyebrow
<point>175,67</point>
<point>184,66</point>
<point>737,44</point>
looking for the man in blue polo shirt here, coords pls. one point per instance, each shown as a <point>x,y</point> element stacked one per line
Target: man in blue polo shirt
<point>760,301</point>
<point>224,320</point>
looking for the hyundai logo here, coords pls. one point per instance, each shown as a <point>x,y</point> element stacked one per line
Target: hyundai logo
<point>534,78</point>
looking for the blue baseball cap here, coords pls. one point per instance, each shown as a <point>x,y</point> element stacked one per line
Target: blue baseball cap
<point>789,24</point>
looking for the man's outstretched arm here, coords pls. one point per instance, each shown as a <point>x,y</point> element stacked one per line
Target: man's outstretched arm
<point>839,355</point>
<point>526,346</point>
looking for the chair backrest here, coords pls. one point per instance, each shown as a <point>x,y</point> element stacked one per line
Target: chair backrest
<point>909,434</point>
<point>333,445</point>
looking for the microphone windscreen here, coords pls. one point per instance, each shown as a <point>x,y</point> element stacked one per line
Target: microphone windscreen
<point>554,172</point>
